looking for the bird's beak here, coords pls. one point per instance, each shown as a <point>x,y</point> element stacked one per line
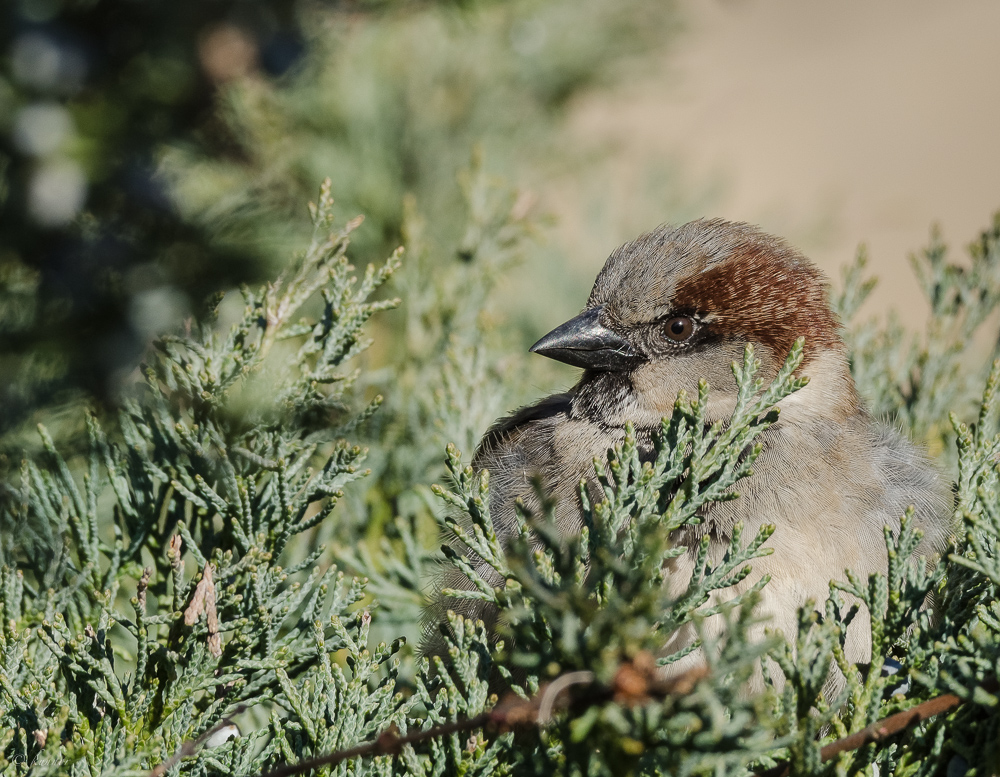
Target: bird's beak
<point>584,342</point>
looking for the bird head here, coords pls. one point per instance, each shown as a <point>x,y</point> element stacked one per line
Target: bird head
<point>679,304</point>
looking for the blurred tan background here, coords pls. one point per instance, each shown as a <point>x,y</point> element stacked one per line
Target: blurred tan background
<point>832,124</point>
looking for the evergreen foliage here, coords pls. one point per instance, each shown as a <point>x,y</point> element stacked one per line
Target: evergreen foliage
<point>918,380</point>
<point>252,535</point>
<point>190,511</point>
<point>155,586</point>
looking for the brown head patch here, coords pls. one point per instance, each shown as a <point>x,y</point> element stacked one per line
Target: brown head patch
<point>769,297</point>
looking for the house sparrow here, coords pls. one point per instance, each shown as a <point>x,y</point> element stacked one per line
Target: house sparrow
<point>679,304</point>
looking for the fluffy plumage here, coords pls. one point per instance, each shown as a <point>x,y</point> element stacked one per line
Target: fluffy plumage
<point>679,304</point>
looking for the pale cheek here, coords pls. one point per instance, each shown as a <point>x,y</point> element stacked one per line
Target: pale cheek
<point>657,383</point>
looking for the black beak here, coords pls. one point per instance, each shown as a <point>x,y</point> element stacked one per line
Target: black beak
<point>584,342</point>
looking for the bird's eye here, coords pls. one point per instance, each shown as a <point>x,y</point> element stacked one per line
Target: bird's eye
<point>679,328</point>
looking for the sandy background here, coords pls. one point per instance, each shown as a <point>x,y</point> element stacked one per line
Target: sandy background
<point>831,124</point>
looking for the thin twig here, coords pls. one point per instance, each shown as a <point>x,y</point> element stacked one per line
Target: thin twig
<point>387,743</point>
<point>881,730</point>
<point>556,687</point>
<point>635,682</point>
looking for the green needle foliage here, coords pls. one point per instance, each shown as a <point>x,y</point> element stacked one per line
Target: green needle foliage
<point>918,381</point>
<point>189,509</point>
<point>168,578</point>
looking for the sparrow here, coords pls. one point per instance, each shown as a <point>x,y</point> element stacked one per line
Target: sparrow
<point>680,304</point>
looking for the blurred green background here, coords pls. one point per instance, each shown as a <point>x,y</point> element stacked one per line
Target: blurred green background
<point>153,153</point>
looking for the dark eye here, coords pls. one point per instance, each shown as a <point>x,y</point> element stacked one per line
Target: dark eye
<point>679,328</point>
